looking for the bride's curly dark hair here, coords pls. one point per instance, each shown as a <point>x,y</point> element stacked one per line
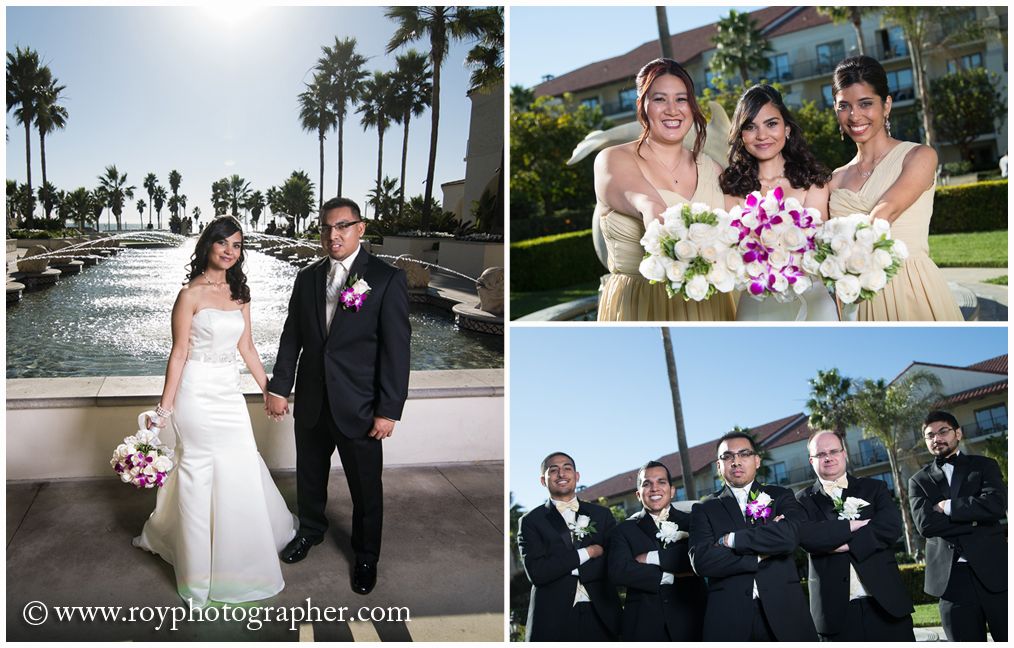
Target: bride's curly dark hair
<point>802,169</point>
<point>219,230</point>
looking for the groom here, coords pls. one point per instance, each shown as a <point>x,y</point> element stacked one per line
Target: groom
<point>348,328</point>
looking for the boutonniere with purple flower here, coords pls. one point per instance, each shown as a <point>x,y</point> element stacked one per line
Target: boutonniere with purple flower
<point>353,295</point>
<point>758,509</point>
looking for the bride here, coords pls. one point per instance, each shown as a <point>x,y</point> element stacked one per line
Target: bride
<point>219,519</point>
<point>768,150</point>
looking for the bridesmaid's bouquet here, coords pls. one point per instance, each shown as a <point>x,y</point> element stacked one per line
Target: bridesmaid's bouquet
<point>141,459</point>
<point>691,252</point>
<point>775,233</point>
<point>855,256</point>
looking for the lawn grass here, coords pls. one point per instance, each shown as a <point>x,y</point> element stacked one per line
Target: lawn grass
<point>999,281</point>
<point>523,303</point>
<point>926,615</point>
<point>970,250</point>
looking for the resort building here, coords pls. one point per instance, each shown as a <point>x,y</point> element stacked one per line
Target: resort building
<point>976,395</point>
<point>805,47</point>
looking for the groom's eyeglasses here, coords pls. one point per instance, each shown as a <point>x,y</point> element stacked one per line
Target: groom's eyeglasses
<point>821,456</point>
<point>942,432</point>
<point>742,454</point>
<point>341,227</point>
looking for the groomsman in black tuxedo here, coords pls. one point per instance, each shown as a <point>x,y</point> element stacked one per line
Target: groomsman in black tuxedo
<point>742,540</point>
<point>562,545</point>
<point>856,591</point>
<point>665,598</point>
<point>958,503</point>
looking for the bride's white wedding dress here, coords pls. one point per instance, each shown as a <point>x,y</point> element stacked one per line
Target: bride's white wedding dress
<point>816,305</point>
<point>219,519</point>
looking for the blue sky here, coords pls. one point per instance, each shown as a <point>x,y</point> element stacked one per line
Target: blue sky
<point>602,394</point>
<point>556,40</point>
<point>213,92</point>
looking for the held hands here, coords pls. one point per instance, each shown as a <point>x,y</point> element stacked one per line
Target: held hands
<point>382,428</point>
<point>275,407</point>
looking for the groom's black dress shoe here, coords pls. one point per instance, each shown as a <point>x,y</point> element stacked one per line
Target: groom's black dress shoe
<point>297,549</point>
<point>364,577</point>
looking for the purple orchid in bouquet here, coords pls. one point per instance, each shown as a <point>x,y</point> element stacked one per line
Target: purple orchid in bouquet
<point>775,233</point>
<point>353,296</point>
<point>142,460</point>
<point>759,508</point>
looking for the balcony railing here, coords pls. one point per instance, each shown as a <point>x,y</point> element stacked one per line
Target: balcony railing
<point>973,430</point>
<point>610,108</point>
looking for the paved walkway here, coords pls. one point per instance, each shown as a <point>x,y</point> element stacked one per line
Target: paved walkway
<point>68,544</point>
<point>992,299</point>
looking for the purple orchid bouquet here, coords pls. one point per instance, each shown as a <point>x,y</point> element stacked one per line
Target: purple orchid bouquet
<point>142,460</point>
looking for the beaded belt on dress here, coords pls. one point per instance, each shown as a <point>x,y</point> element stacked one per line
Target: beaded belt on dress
<point>213,358</point>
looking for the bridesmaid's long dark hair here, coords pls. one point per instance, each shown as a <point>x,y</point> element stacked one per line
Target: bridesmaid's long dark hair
<point>802,169</point>
<point>219,230</point>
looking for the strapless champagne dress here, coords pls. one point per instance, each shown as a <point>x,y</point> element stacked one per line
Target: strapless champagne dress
<point>626,295</point>
<point>219,520</point>
<point>919,291</point>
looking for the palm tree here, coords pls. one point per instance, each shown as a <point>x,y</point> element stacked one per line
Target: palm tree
<point>77,205</point>
<point>441,25</point>
<point>689,487</point>
<point>141,206</point>
<point>158,201</point>
<point>377,99</point>
<point>412,94</point>
<point>197,217</point>
<point>24,83</point>
<point>295,197</point>
<point>116,191</point>
<point>237,191</point>
<point>219,197</point>
<point>385,199</point>
<point>830,402</point>
<point>741,47</point>
<point>96,205</point>
<point>150,184</point>
<point>50,115</point>
<point>917,22</point>
<point>340,70</point>
<point>174,185</point>
<point>182,200</point>
<point>486,62</point>
<point>256,206</point>
<point>849,14</point>
<point>49,196</point>
<point>664,35</point>
<point>316,116</point>
<point>892,413</point>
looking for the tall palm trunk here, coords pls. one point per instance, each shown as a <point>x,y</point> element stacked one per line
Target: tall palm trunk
<point>915,51</point>
<point>902,492</point>
<point>404,159</point>
<point>42,155</point>
<point>857,23</point>
<point>689,488</point>
<point>380,162</point>
<point>434,127</point>
<point>28,173</point>
<point>341,141</point>
<point>320,194</point>
<point>664,36</point>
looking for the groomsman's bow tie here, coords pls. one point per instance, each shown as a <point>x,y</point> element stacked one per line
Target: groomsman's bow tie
<point>940,461</point>
<point>663,515</point>
<point>572,505</point>
<point>831,486</point>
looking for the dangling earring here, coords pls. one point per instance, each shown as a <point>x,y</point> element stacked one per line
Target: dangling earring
<point>887,124</point>
<point>841,131</point>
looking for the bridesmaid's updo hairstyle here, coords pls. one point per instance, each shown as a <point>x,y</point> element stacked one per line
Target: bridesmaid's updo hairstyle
<point>219,230</point>
<point>802,169</point>
<point>860,69</point>
<point>646,77</point>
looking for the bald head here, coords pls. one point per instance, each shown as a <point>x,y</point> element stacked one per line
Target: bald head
<point>828,456</point>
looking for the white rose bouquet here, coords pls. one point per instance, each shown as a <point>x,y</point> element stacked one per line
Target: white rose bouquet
<point>689,251</point>
<point>142,459</point>
<point>775,233</point>
<point>855,256</point>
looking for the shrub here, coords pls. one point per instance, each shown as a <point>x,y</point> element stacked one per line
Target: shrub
<point>554,262</point>
<point>957,168</point>
<point>564,220</point>
<point>914,576</point>
<point>976,207</point>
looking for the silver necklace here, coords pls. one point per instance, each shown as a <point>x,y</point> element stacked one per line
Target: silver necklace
<point>876,161</point>
<point>672,171</point>
<point>213,283</point>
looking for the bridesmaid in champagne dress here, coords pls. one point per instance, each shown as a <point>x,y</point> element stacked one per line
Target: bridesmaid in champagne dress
<point>636,182</point>
<point>893,180</point>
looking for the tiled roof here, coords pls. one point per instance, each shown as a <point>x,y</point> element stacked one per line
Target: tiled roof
<point>701,456</point>
<point>972,394</point>
<point>993,365</point>
<point>686,47</point>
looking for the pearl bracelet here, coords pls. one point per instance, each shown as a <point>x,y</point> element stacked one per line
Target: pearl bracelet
<point>163,412</point>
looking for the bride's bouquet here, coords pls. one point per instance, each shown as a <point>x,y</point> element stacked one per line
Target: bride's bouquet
<point>690,252</point>
<point>774,233</point>
<point>141,459</point>
<point>855,256</point>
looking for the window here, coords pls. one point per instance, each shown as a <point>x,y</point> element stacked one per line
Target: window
<point>829,55</point>
<point>900,85</point>
<point>709,79</point>
<point>628,99</point>
<point>992,419</point>
<point>825,91</point>
<point>779,474</point>
<point>681,494</point>
<point>778,68</point>
<point>719,484</point>
<point>590,102</point>
<point>966,62</point>
<point>892,43</point>
<point>887,478</point>
<point>871,451</point>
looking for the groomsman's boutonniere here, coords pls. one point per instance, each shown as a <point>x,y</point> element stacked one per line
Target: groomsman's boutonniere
<point>849,508</point>
<point>354,294</point>
<point>668,532</point>
<point>581,527</point>
<point>758,509</point>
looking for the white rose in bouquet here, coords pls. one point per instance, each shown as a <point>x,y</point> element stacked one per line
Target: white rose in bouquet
<point>675,271</point>
<point>810,263</point>
<point>793,238</point>
<point>652,268</point>
<point>734,262</point>
<point>832,268</point>
<point>770,203</point>
<point>749,219</point>
<point>880,227</point>
<point>780,282</point>
<point>900,249</point>
<point>755,268</point>
<point>685,250</point>
<point>722,279</point>
<point>873,280</point>
<point>859,261</point>
<point>841,242</point>
<point>792,204</point>
<point>882,258</point>
<point>697,288</point>
<point>126,477</point>
<point>866,236</point>
<point>778,258</point>
<point>163,464</point>
<point>699,208</point>
<point>770,237</point>
<point>847,288</point>
<point>701,234</point>
<point>711,250</point>
<point>802,284</point>
<point>651,241</point>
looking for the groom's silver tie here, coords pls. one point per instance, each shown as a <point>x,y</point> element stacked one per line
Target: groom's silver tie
<point>335,279</point>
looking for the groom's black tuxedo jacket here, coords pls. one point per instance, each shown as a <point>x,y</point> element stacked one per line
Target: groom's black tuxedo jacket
<point>653,612</point>
<point>871,552</point>
<point>360,364</point>
<point>549,554</point>
<point>731,572</point>
<point>973,530</point>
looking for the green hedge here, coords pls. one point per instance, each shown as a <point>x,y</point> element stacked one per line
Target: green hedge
<point>564,220</point>
<point>977,207</point>
<point>914,578</point>
<point>554,262</point>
